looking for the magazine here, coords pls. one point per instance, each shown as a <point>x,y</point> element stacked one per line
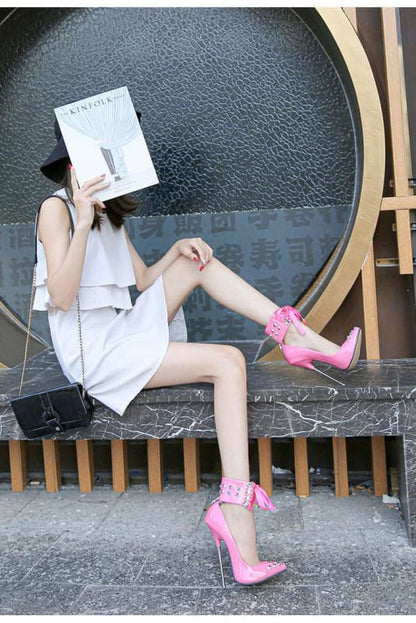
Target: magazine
<point>102,135</point>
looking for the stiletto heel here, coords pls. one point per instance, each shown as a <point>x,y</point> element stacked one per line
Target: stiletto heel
<point>344,359</point>
<point>217,540</point>
<point>220,559</point>
<point>327,375</point>
<point>245,494</point>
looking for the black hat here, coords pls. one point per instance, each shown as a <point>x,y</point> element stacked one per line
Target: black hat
<point>57,161</point>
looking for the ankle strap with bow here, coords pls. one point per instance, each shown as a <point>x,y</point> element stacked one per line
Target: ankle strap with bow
<point>280,321</point>
<point>245,494</point>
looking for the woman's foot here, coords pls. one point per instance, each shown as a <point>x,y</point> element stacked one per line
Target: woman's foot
<point>304,338</point>
<point>310,339</point>
<point>241,524</point>
<point>236,528</point>
<point>301,345</point>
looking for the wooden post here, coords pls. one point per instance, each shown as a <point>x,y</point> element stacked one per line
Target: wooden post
<point>368,282</point>
<point>399,132</point>
<point>155,465</point>
<point>264,445</point>
<point>18,471</point>
<point>53,480</point>
<point>300,449</point>
<point>119,462</point>
<point>378,452</point>
<point>339,447</point>
<point>191,464</point>
<point>85,462</point>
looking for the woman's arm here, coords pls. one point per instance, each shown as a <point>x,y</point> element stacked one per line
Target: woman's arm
<point>146,275</point>
<point>65,258</point>
<point>193,248</point>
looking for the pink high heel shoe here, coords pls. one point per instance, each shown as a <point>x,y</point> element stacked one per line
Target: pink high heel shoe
<point>345,358</point>
<point>245,494</point>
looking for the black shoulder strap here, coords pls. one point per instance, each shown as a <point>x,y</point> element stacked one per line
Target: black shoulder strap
<point>71,221</point>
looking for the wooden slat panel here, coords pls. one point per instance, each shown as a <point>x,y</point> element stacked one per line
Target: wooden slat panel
<point>300,448</point>
<point>191,464</point>
<point>373,352</point>
<point>18,471</point>
<point>378,451</point>
<point>119,462</point>
<point>394,78</point>
<point>85,462</point>
<point>155,465</point>
<point>339,447</point>
<point>404,242</point>
<point>398,203</point>
<point>399,133</point>
<point>368,277</point>
<point>52,464</point>
<point>264,445</point>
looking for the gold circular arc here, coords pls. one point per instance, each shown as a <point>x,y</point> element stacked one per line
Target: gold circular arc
<point>373,164</point>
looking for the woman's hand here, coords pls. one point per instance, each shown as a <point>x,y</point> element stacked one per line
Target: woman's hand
<point>196,249</point>
<point>84,199</point>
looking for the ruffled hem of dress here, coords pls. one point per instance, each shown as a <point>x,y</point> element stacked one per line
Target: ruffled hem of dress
<point>90,297</point>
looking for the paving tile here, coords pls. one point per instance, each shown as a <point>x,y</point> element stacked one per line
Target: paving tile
<point>12,503</point>
<point>323,509</point>
<point>44,598</point>
<point>320,565</point>
<point>181,565</point>
<point>83,560</point>
<point>389,532</point>
<point>285,518</point>
<point>18,554</point>
<point>258,600</point>
<point>395,598</point>
<point>122,600</point>
<point>142,553</point>
<point>286,540</point>
<point>394,563</point>
<point>150,515</point>
<point>67,509</point>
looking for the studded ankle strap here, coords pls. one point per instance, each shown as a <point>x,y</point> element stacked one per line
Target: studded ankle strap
<point>244,493</point>
<point>280,321</point>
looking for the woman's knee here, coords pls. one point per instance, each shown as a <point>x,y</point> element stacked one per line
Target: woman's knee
<point>231,359</point>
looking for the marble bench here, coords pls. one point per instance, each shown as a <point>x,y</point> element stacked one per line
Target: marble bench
<point>283,401</point>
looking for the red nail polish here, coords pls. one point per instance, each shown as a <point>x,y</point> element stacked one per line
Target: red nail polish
<point>70,166</point>
<point>201,268</point>
<point>195,259</point>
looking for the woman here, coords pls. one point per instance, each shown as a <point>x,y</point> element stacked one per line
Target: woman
<point>129,350</point>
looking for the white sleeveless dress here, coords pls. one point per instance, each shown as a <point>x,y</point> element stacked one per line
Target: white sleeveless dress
<point>123,345</point>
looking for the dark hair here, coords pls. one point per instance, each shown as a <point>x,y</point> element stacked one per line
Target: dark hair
<point>116,209</point>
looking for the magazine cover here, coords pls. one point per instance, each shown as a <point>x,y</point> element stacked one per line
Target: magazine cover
<point>102,135</point>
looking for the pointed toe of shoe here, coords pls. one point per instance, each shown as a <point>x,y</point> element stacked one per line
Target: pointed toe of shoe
<point>350,349</point>
<point>261,572</point>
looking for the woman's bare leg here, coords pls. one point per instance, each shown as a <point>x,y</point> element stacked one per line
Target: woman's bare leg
<point>229,289</point>
<point>225,367</point>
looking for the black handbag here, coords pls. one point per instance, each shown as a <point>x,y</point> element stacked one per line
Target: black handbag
<point>60,408</point>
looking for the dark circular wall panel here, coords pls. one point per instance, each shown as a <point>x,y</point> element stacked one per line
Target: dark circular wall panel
<point>242,109</point>
<point>246,119</point>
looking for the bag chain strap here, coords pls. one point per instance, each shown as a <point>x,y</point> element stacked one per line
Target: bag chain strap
<point>81,348</point>
<point>29,324</point>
